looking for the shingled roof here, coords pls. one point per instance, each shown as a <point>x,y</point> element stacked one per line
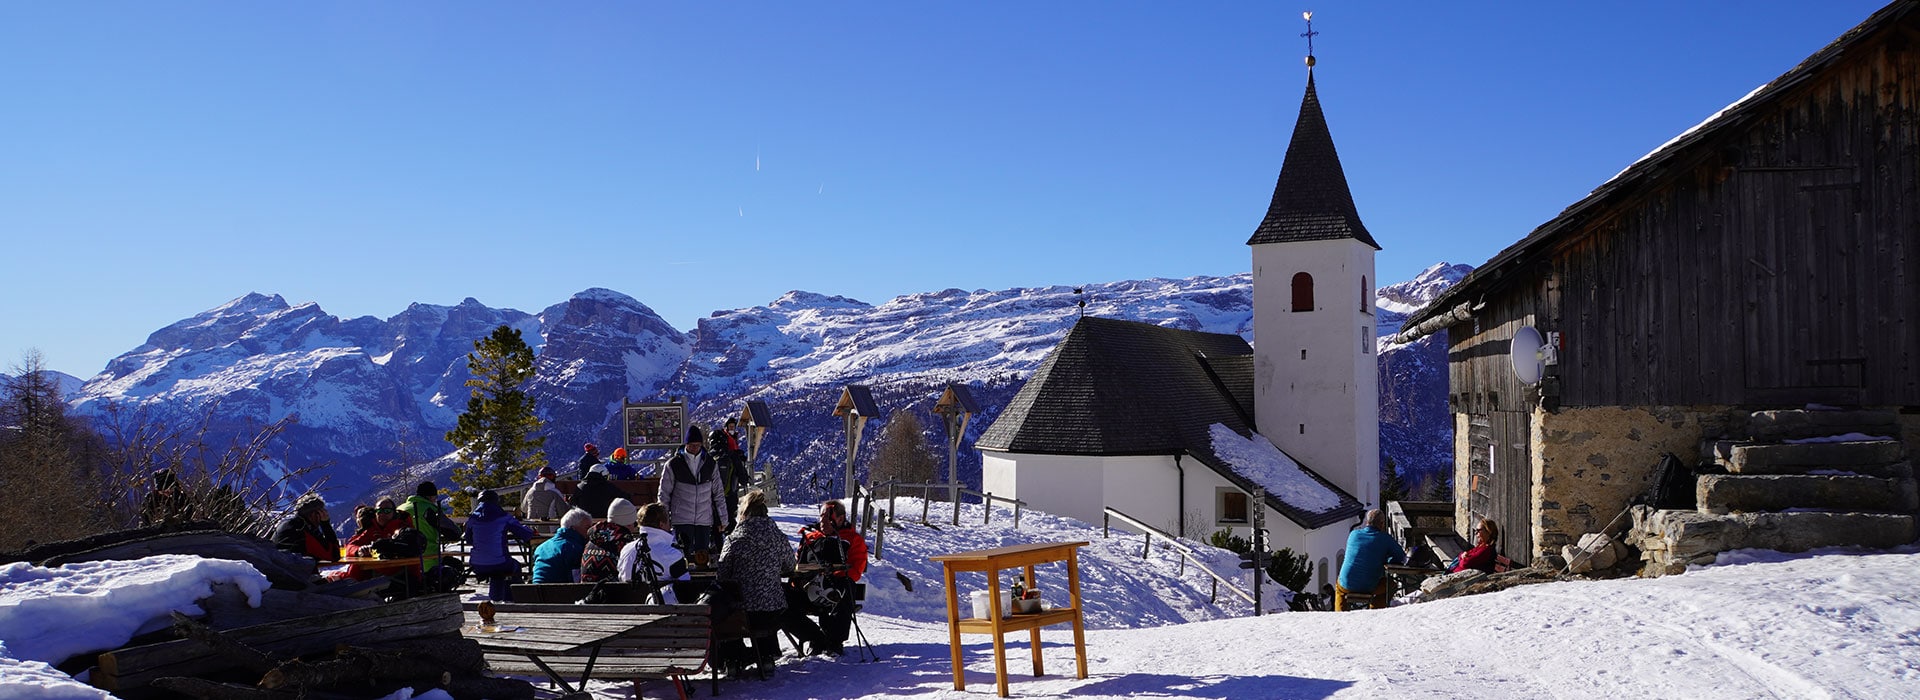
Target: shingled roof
<point>1116,387</point>
<point>1311,201</point>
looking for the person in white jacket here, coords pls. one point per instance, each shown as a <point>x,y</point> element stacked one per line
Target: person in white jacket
<point>668,563</point>
<point>691,488</point>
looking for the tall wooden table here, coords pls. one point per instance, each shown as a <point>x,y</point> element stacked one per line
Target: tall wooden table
<point>991,562</point>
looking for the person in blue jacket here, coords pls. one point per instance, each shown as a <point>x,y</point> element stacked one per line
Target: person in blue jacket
<point>486,534</point>
<point>558,559</point>
<point>1369,549</point>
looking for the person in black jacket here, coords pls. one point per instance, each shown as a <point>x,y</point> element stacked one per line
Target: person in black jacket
<point>589,456</point>
<point>308,531</point>
<point>594,494</point>
<point>724,445</point>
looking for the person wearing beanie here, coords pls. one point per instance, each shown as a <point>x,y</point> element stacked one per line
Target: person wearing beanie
<point>589,456</point>
<point>543,500</point>
<point>486,533</point>
<point>606,539</point>
<point>694,495</point>
<point>594,493</point>
<point>618,467</point>
<point>423,510</point>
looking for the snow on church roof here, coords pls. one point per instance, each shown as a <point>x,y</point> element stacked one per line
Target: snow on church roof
<point>1257,460</point>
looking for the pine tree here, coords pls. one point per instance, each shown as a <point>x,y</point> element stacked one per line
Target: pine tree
<point>498,437</point>
<point>47,461</point>
<point>903,454</point>
<point>1392,487</point>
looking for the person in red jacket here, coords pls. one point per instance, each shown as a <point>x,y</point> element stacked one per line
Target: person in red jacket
<point>841,552</point>
<point>1481,556</point>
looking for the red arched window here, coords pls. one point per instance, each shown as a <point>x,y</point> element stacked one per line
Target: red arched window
<point>1302,292</point>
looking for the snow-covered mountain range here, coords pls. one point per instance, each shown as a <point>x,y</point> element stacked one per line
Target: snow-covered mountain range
<point>370,393</point>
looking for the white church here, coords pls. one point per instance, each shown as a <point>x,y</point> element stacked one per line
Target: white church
<point>1178,428</point>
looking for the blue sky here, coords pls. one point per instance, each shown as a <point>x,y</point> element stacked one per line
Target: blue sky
<point>159,159</point>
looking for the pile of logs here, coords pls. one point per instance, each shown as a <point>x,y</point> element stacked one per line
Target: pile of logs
<point>367,652</point>
<point>307,638</point>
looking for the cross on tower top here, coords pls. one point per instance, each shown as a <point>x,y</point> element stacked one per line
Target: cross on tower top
<point>1309,34</point>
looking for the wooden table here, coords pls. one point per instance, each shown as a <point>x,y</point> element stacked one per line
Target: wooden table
<point>991,561</point>
<point>537,635</point>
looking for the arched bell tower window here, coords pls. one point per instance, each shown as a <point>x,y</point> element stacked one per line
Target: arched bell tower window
<point>1366,296</point>
<point>1302,292</point>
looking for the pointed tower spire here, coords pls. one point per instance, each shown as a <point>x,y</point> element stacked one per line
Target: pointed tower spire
<point>1311,201</point>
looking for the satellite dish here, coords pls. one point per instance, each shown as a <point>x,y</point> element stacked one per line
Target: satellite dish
<point>1529,362</point>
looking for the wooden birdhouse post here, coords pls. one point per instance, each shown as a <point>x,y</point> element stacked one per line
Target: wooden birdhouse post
<point>856,406</point>
<point>758,419</point>
<point>955,407</point>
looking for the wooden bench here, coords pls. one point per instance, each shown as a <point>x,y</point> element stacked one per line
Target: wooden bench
<point>675,648</point>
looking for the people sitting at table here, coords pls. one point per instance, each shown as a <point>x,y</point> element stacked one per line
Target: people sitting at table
<point>486,534</point>
<point>605,540</point>
<point>697,501</point>
<point>756,555</point>
<point>543,500</point>
<point>653,546</point>
<point>558,559</point>
<point>595,493</point>
<point>1481,557</point>
<point>308,531</point>
<point>835,545</point>
<point>1369,549</point>
<point>617,467</point>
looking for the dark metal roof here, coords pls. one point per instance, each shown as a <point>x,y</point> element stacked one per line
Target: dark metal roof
<point>1116,387</point>
<point>1311,201</point>
<point>1494,273</point>
<point>858,399</point>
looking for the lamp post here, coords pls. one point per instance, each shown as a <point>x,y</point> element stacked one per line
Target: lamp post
<point>955,407</point>
<point>856,406</point>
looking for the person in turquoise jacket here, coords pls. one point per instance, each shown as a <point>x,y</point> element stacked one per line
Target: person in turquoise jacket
<point>1370,548</point>
<point>558,559</point>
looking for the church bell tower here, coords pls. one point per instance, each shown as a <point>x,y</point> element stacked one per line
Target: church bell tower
<point>1316,375</point>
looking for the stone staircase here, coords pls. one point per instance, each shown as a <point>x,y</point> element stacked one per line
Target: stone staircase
<point>1804,479</point>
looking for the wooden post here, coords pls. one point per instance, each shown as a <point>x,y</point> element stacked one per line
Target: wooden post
<point>953,631</point>
<point>1079,610</point>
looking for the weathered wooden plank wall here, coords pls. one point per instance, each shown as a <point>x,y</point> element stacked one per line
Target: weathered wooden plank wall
<point>1777,263</point>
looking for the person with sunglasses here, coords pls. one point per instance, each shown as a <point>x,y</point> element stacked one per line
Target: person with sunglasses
<point>1481,557</point>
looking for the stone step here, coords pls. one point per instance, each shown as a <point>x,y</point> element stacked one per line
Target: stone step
<point>1772,426</point>
<point>1871,457</point>
<point>1669,540</point>
<point>1728,493</point>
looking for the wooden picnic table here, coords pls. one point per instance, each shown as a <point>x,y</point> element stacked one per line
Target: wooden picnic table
<point>544,634</point>
<point>991,562</point>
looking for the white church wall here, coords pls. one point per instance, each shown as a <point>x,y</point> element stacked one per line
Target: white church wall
<point>1146,487</point>
<point>1059,484</point>
<point>1316,389</point>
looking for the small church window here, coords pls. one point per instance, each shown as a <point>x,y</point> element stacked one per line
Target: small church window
<point>1366,340</point>
<point>1232,506</point>
<point>1366,296</point>
<point>1302,292</point>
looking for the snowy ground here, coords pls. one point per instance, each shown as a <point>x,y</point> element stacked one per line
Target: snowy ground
<point>1827,624</point>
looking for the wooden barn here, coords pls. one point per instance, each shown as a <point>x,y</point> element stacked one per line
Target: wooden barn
<point>1767,258</point>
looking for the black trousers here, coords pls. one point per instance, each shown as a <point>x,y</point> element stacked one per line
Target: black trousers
<point>835,623</point>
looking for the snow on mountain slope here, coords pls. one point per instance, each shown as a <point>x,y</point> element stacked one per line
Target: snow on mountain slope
<point>360,386</point>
